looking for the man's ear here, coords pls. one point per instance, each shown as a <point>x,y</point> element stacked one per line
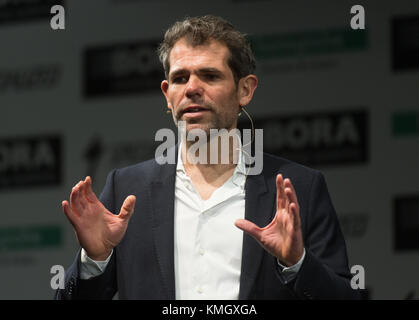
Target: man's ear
<point>165,88</point>
<point>246,87</point>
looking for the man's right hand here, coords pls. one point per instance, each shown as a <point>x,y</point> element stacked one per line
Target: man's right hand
<point>98,230</point>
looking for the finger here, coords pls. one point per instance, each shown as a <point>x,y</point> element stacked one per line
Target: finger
<point>290,197</point>
<point>75,200</point>
<point>250,228</point>
<point>289,216</point>
<point>293,196</point>
<point>295,214</point>
<point>89,191</point>
<point>82,198</point>
<point>293,211</point>
<point>69,213</point>
<point>280,194</point>
<point>83,193</point>
<point>127,208</point>
<point>278,191</point>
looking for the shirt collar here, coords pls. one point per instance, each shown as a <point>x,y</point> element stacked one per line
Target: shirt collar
<point>239,173</point>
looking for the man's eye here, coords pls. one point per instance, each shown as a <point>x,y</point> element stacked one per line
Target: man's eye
<point>211,76</point>
<point>180,80</point>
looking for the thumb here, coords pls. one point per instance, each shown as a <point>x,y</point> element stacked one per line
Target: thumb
<point>127,207</point>
<point>249,227</point>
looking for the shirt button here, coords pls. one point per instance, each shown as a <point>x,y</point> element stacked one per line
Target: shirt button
<point>201,251</point>
<point>200,290</point>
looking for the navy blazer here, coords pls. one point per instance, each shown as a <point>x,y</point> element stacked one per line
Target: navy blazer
<point>142,265</point>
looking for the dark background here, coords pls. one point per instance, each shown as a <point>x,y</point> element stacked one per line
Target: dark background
<point>86,99</point>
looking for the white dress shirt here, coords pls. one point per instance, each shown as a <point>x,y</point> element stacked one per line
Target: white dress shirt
<point>208,246</point>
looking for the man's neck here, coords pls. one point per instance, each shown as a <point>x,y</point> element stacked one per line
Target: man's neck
<point>207,175</point>
<point>214,157</point>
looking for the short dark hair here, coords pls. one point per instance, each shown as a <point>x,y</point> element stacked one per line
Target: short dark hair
<point>200,30</point>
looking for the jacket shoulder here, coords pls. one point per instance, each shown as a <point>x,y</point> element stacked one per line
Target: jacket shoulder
<point>147,170</point>
<point>273,165</point>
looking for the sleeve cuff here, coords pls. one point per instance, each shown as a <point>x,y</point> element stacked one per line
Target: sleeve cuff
<point>289,273</point>
<point>91,268</point>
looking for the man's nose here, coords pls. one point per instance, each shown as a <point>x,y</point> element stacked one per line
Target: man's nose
<point>194,87</point>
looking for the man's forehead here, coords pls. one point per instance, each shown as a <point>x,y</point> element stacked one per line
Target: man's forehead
<point>183,53</point>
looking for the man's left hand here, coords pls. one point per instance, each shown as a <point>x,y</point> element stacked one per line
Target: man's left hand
<point>282,238</point>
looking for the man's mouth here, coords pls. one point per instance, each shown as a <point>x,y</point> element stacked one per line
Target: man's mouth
<point>194,113</point>
<point>194,109</point>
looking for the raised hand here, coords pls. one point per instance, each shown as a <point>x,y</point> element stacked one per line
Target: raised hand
<point>97,229</point>
<point>282,238</point>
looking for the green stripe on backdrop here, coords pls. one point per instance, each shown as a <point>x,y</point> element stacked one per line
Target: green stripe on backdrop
<point>30,237</point>
<point>405,123</point>
<point>308,43</point>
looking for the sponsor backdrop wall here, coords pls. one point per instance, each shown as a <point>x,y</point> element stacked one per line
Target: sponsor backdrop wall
<point>86,99</point>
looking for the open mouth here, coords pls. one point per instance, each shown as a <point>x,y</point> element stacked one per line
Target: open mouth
<point>194,109</point>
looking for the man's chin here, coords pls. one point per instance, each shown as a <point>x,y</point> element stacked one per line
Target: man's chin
<point>196,128</point>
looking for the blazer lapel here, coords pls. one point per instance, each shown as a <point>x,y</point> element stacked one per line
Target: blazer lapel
<point>258,209</point>
<point>162,193</point>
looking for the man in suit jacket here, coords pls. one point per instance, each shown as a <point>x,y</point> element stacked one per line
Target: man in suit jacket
<point>177,234</point>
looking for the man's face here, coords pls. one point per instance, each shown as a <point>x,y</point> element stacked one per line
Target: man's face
<point>200,89</point>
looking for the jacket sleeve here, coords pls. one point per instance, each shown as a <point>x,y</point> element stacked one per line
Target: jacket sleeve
<point>324,273</point>
<point>103,286</point>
